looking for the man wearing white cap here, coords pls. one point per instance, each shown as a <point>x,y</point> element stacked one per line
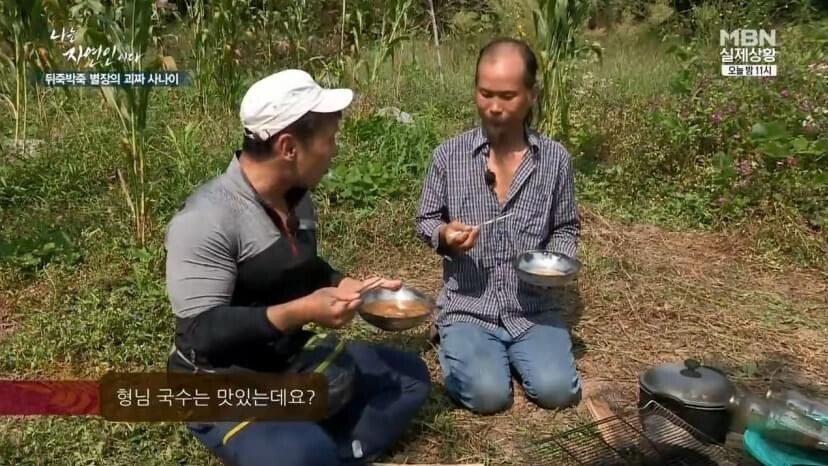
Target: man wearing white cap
<point>244,278</point>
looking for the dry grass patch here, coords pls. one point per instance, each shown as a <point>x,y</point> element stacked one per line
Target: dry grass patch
<point>647,296</point>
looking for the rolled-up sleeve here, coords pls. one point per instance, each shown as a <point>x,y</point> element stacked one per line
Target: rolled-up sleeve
<point>432,211</point>
<point>565,224</point>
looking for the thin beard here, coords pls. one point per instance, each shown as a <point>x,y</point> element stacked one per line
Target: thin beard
<point>496,138</point>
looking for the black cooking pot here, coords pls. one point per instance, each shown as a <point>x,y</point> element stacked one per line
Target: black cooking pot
<point>697,394</point>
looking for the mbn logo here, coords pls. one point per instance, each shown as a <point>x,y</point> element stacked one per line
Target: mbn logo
<point>748,37</point>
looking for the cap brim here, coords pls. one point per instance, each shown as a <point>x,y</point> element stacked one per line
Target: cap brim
<point>334,100</point>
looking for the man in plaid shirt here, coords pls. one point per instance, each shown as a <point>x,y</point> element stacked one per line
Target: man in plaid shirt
<point>491,323</point>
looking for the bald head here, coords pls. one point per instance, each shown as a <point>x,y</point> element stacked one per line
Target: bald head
<point>505,87</point>
<point>508,56</point>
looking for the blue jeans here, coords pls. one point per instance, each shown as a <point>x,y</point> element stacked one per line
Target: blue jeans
<point>391,388</point>
<point>478,364</point>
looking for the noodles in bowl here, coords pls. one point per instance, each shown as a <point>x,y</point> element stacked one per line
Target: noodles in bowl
<point>395,310</point>
<point>546,269</point>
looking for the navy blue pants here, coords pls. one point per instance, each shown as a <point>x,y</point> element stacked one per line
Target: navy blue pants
<point>391,388</point>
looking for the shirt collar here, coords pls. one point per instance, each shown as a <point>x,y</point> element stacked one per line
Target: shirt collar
<point>480,141</point>
<point>241,185</point>
<point>236,177</point>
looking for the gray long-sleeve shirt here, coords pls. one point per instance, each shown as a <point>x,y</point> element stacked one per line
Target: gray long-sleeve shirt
<point>481,285</point>
<point>228,259</point>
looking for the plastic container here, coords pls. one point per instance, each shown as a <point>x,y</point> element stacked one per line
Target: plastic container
<point>773,420</point>
<point>799,402</point>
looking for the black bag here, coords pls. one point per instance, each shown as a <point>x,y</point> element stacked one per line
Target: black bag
<point>324,353</point>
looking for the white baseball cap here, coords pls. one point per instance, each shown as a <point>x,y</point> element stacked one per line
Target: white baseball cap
<point>273,103</point>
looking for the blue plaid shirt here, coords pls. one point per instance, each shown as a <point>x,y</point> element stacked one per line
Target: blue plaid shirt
<point>481,286</point>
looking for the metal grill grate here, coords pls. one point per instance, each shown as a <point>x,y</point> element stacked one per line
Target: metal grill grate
<point>648,436</point>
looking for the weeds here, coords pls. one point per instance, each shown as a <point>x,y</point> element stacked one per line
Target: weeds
<point>361,65</point>
<point>24,25</point>
<point>556,27</point>
<point>295,26</point>
<point>217,52</point>
<point>30,255</point>
<point>382,160</point>
<point>702,154</point>
<point>129,28</point>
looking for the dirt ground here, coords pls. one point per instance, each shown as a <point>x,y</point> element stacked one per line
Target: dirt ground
<point>6,315</point>
<point>645,296</point>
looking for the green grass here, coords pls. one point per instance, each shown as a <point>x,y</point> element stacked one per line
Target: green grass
<point>98,302</point>
<point>635,64</point>
<point>80,441</point>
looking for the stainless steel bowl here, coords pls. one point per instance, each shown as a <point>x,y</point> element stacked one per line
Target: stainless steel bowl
<point>546,269</point>
<point>400,299</point>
